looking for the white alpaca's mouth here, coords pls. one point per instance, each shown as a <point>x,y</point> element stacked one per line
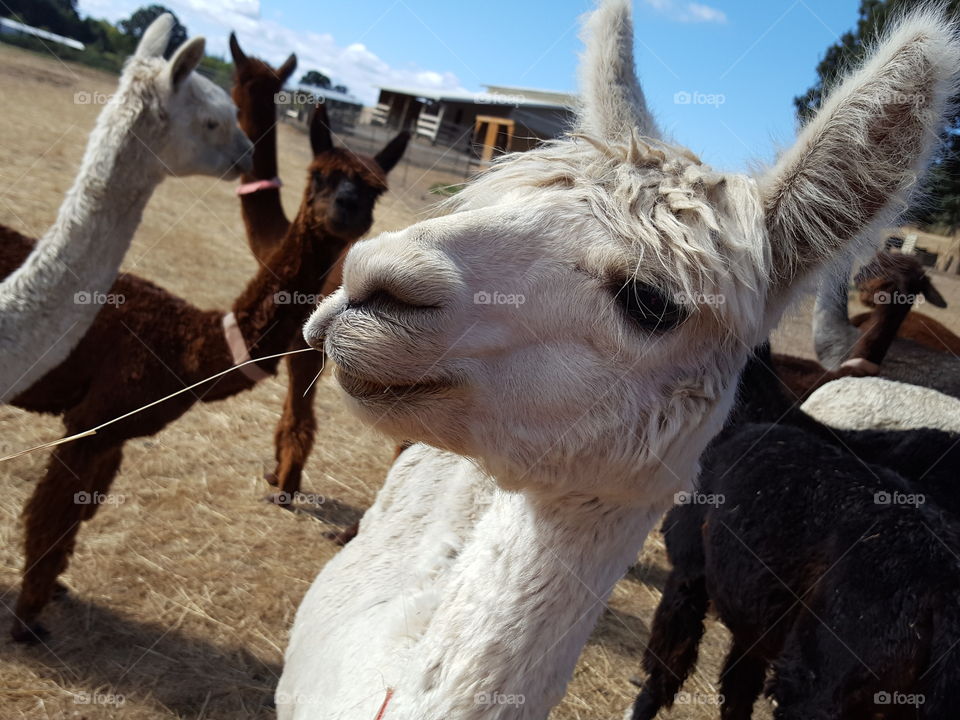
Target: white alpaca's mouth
<point>371,390</point>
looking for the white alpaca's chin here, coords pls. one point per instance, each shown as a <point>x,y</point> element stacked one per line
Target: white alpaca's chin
<point>430,411</point>
<point>375,391</point>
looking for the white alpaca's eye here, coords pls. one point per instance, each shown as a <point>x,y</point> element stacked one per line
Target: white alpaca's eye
<point>648,307</point>
<point>212,124</point>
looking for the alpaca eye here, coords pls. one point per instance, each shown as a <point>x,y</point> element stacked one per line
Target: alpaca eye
<point>648,307</point>
<point>212,124</point>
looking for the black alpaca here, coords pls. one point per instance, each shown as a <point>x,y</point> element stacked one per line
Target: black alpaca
<point>850,600</point>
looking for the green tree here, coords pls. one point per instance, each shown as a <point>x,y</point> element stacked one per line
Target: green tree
<point>940,202</point>
<point>136,24</point>
<point>315,78</point>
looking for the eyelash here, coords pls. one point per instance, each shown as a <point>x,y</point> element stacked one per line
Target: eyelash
<point>648,307</point>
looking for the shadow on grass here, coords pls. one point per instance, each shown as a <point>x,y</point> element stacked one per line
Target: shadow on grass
<point>112,661</point>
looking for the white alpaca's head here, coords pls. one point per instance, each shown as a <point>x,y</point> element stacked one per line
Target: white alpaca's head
<point>198,131</point>
<point>590,303</point>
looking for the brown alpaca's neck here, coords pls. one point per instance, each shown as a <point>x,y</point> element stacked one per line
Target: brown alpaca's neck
<point>879,331</point>
<point>264,220</point>
<point>263,215</point>
<point>275,304</point>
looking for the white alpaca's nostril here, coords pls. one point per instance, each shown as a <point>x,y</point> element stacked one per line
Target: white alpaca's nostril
<point>315,329</point>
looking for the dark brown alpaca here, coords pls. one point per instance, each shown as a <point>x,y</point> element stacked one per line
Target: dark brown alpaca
<point>255,87</point>
<point>155,343</point>
<point>890,284</point>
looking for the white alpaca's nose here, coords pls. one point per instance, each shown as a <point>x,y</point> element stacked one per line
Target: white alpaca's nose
<point>397,269</point>
<point>315,330</point>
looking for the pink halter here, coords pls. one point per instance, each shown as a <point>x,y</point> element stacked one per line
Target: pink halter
<point>258,185</point>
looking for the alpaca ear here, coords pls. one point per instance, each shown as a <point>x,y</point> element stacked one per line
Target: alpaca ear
<point>391,154</point>
<point>153,42</point>
<point>186,59</point>
<point>286,70</point>
<point>612,101</point>
<point>932,295</point>
<point>855,161</point>
<point>239,57</point>
<point>320,138</point>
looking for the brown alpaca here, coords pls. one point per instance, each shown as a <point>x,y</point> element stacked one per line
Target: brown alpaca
<point>158,344</point>
<point>255,87</point>
<point>891,283</point>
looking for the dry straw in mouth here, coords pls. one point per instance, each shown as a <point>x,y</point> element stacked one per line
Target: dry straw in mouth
<point>93,431</point>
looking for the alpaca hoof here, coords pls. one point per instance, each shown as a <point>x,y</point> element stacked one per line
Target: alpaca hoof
<point>341,537</point>
<point>272,478</point>
<point>60,591</point>
<point>644,708</point>
<point>31,633</point>
<point>280,499</point>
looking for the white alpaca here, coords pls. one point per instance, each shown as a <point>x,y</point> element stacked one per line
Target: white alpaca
<point>873,403</point>
<point>562,427</point>
<point>164,119</point>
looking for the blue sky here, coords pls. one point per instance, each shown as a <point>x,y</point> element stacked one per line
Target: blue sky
<point>719,75</point>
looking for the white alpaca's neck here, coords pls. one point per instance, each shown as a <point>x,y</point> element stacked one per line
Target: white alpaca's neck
<point>519,606</point>
<point>48,303</point>
<point>833,335</point>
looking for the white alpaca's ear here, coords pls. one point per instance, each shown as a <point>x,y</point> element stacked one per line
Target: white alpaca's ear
<point>154,41</point>
<point>855,162</point>
<point>186,59</point>
<point>612,101</point>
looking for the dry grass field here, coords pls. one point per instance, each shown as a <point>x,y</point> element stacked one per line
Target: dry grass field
<point>182,594</point>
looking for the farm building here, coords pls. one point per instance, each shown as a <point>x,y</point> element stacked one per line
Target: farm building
<point>514,118</point>
<point>937,251</point>
<point>296,103</point>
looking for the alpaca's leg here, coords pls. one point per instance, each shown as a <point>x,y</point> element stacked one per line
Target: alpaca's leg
<point>740,682</point>
<point>295,431</point>
<point>78,476</point>
<point>671,652</point>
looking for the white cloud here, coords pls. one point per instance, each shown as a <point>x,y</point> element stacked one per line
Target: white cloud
<point>689,12</point>
<point>696,12</point>
<point>353,65</point>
